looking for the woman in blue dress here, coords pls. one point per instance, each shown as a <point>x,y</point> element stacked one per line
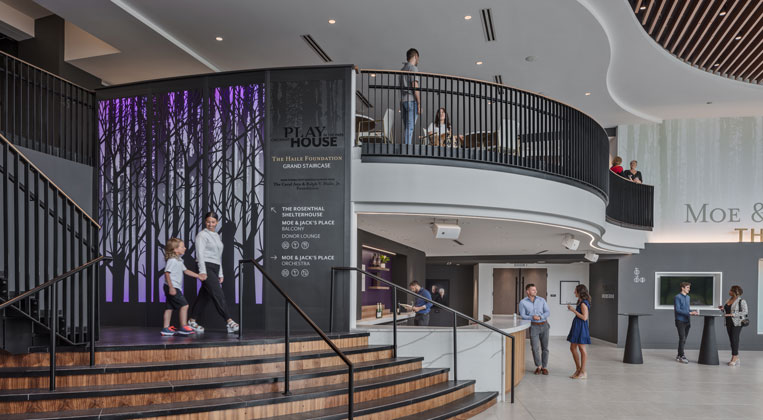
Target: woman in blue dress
<point>579,335</point>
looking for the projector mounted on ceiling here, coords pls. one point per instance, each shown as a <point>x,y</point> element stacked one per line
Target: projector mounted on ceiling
<point>446,230</point>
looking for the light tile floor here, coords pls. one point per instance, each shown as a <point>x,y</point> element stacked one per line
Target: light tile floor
<point>661,388</point>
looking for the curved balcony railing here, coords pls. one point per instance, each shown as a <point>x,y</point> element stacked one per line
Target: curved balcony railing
<point>488,124</point>
<point>630,204</point>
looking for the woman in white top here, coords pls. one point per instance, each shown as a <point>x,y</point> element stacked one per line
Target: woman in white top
<point>440,131</point>
<point>209,254</point>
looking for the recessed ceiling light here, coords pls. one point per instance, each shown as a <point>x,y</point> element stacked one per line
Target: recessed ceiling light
<point>642,8</point>
<point>373,74</point>
<point>588,94</point>
<point>479,63</point>
<point>467,17</point>
<point>716,64</point>
<point>723,13</point>
<point>332,21</point>
<point>708,103</point>
<point>738,37</point>
<point>219,38</point>
<point>530,58</point>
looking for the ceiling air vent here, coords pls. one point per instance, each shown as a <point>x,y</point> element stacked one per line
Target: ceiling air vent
<point>317,48</point>
<point>487,24</point>
<point>458,242</point>
<point>498,79</point>
<point>362,98</point>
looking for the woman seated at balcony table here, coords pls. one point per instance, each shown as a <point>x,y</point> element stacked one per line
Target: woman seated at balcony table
<point>633,174</point>
<point>616,168</point>
<point>440,132</point>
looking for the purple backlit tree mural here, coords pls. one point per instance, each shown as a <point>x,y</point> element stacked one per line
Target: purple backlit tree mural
<point>165,160</point>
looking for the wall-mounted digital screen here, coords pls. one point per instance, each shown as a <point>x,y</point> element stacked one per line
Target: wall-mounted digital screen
<point>705,289</point>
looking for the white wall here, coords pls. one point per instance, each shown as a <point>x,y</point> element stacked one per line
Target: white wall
<point>560,318</point>
<point>714,162</point>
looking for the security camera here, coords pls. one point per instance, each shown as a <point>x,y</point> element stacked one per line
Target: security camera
<point>569,242</point>
<point>591,256</point>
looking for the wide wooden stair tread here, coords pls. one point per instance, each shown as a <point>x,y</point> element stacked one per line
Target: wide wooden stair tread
<point>180,364</point>
<point>236,379</point>
<point>197,384</point>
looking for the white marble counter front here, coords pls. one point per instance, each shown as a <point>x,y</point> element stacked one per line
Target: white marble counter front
<point>481,352</point>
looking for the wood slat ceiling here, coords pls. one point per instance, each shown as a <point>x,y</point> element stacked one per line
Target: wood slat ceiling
<point>724,37</point>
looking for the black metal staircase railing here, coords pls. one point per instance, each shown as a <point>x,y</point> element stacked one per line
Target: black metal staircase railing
<point>43,112</point>
<point>313,325</point>
<point>86,307</point>
<point>45,234</point>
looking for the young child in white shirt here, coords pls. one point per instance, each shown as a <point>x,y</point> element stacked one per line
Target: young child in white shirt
<point>173,290</point>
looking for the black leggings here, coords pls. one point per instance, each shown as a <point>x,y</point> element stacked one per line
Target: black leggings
<point>734,338</point>
<point>210,290</point>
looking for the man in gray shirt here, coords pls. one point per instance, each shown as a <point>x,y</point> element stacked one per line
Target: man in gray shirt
<point>410,100</point>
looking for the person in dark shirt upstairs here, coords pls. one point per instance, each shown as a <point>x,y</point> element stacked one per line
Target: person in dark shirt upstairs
<point>420,306</point>
<point>633,174</point>
<point>616,168</point>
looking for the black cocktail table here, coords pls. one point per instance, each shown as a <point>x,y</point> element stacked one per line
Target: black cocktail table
<point>633,340</point>
<point>708,350</point>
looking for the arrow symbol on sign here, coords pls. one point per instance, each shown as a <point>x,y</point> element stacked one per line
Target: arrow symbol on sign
<point>274,257</point>
<point>273,209</point>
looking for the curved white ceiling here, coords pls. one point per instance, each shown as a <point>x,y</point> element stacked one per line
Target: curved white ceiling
<point>585,46</point>
<point>649,81</point>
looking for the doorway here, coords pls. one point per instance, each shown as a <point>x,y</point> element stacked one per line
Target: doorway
<point>509,287</point>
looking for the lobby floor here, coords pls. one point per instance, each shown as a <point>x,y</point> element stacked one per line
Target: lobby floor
<point>661,388</point>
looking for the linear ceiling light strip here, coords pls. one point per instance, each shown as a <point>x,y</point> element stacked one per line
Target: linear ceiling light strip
<point>487,24</point>
<point>122,4</point>
<point>316,48</point>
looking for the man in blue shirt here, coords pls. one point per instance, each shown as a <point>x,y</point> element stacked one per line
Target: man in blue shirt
<point>535,309</point>
<point>683,323</point>
<point>420,306</point>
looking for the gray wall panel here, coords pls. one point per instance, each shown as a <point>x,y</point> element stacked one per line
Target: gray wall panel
<point>737,262</point>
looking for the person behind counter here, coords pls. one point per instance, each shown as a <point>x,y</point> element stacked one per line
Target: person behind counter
<point>420,306</point>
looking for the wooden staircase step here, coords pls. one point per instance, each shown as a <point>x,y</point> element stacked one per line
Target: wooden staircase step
<point>402,403</point>
<point>191,348</point>
<point>462,408</point>
<point>434,385</point>
<point>375,373</point>
<point>171,370</point>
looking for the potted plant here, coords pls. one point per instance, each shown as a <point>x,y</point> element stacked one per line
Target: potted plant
<point>383,260</point>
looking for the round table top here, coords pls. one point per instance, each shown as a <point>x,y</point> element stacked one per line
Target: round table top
<point>634,314</point>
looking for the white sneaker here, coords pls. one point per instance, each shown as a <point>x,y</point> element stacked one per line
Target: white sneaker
<point>232,327</point>
<point>195,326</point>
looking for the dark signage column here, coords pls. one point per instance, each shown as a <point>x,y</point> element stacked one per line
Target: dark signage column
<point>307,194</point>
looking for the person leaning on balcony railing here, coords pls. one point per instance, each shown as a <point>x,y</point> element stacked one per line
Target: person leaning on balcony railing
<point>410,100</point>
<point>634,174</point>
<point>616,165</point>
<point>440,131</point>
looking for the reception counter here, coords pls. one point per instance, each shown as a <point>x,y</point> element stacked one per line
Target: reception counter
<point>483,355</point>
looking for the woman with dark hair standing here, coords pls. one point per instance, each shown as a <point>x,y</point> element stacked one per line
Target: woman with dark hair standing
<point>579,335</point>
<point>735,312</point>
<point>209,255</point>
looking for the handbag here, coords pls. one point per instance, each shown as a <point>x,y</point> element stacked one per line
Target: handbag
<point>746,320</point>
